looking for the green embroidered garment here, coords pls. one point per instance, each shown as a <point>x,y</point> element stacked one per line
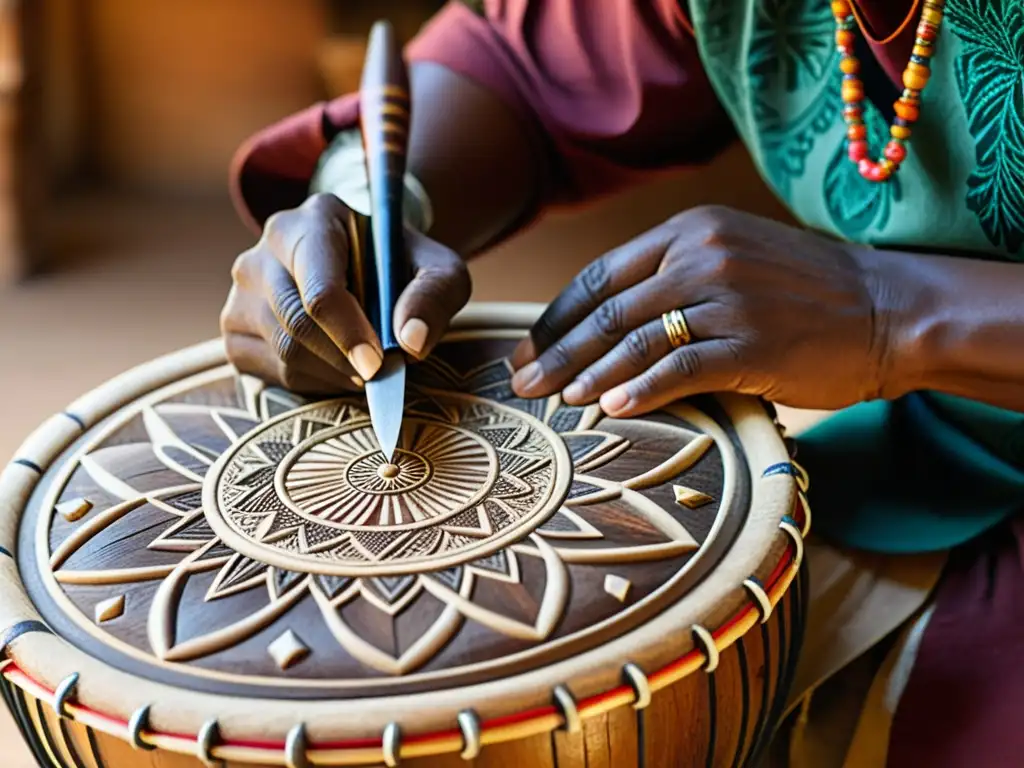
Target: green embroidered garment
<point>928,471</point>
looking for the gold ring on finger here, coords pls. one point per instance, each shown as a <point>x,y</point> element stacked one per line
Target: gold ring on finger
<point>676,329</point>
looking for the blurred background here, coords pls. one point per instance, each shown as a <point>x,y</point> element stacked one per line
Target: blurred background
<point>118,119</point>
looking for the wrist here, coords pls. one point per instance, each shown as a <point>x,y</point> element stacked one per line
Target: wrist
<point>908,326</point>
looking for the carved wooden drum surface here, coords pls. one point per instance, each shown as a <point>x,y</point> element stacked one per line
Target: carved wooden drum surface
<point>197,568</point>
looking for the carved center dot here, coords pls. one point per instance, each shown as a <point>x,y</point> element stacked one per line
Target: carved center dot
<point>388,471</point>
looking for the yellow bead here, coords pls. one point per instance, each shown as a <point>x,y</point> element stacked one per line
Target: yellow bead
<point>923,50</point>
<point>852,92</point>
<point>914,81</point>
<point>841,9</point>
<point>931,15</point>
<point>900,132</point>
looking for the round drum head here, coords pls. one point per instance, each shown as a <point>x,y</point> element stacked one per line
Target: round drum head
<point>196,542</point>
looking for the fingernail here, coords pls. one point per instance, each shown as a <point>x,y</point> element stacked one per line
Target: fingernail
<point>357,382</point>
<point>365,359</point>
<point>614,400</point>
<point>414,335</point>
<point>574,392</point>
<point>528,377</point>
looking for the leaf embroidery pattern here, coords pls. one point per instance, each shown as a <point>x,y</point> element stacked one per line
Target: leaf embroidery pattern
<point>793,63</point>
<point>791,54</point>
<point>990,76</point>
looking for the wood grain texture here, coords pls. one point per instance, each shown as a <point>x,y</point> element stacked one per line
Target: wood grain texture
<point>314,599</point>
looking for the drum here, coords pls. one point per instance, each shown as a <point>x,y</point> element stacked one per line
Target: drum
<point>198,569</point>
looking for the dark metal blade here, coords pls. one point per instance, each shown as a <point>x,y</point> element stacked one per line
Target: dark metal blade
<point>385,394</point>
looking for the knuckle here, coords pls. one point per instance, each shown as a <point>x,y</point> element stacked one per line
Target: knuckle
<point>636,347</point>
<point>719,265</point>
<point>242,264</point>
<point>317,298</point>
<point>543,332</point>
<point>459,282</point>
<point>225,319</point>
<point>292,314</point>
<point>685,362</point>
<point>559,355</point>
<point>594,280</point>
<point>608,318</point>
<point>279,221</point>
<point>231,350</point>
<point>285,346</point>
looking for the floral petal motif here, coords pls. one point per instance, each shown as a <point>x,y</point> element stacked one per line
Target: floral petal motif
<point>417,654</point>
<point>552,607</point>
<point>163,613</point>
<point>590,448</point>
<point>681,461</point>
<point>239,574</point>
<point>122,522</point>
<point>263,402</point>
<point>187,460</point>
<point>676,539</point>
<point>189,534</point>
<point>566,524</point>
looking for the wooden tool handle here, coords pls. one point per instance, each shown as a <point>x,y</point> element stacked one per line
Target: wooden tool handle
<point>384,120</point>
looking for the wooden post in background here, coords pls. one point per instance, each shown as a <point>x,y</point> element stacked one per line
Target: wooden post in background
<point>22,168</point>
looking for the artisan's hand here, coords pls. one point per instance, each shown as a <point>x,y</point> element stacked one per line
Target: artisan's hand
<point>291,320</point>
<point>773,311</point>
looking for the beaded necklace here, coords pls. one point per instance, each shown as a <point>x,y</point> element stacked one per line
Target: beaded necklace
<point>915,78</point>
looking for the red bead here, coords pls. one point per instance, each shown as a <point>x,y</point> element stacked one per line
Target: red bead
<point>856,132</point>
<point>853,111</point>
<point>872,171</point>
<point>895,152</point>
<point>857,150</point>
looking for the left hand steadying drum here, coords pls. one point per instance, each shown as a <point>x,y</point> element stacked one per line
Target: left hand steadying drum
<point>765,309</point>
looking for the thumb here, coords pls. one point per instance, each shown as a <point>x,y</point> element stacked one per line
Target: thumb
<point>440,287</point>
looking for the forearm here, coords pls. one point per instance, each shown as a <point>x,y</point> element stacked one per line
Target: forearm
<point>477,160</point>
<point>954,326</point>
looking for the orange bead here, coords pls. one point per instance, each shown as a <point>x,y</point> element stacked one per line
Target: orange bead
<point>914,81</point>
<point>900,132</point>
<point>844,37</point>
<point>853,92</point>
<point>908,112</point>
<point>841,9</point>
<point>856,132</point>
<point>923,50</point>
<point>849,65</point>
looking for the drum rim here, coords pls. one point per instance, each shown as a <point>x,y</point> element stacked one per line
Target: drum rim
<point>107,699</point>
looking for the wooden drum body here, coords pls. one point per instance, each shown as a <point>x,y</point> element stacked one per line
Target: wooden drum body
<point>198,569</point>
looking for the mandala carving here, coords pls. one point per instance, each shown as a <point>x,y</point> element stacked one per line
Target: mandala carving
<point>312,491</point>
<point>246,539</point>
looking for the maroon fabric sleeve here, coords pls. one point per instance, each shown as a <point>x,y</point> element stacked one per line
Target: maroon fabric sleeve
<point>615,95</point>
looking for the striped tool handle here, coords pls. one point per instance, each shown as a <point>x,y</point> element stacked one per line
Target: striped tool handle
<point>384,120</point>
